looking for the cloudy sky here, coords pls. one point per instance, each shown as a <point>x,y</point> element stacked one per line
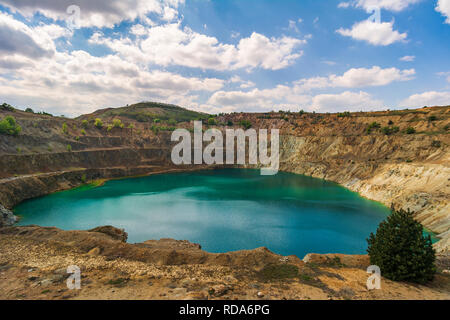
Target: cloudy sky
<point>76,56</point>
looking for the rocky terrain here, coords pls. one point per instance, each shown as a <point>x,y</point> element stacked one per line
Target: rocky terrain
<point>395,157</point>
<point>34,261</point>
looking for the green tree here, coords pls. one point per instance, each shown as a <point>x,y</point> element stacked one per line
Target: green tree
<point>401,250</point>
<point>117,123</point>
<point>410,130</point>
<point>211,121</point>
<point>9,126</point>
<point>98,123</point>
<point>246,124</point>
<point>65,129</point>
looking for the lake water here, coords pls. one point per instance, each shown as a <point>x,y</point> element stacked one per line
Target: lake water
<point>223,210</point>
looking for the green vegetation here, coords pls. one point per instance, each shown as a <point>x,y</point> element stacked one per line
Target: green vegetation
<point>436,144</point>
<point>273,272</point>
<point>246,124</point>
<point>98,123</point>
<point>229,123</point>
<point>9,126</point>
<point>447,127</point>
<point>344,114</point>
<point>401,250</point>
<point>83,132</point>
<point>83,178</point>
<point>29,110</point>
<point>301,112</point>
<point>149,111</point>
<point>390,130</point>
<point>372,126</point>
<point>432,118</point>
<point>85,124</point>
<point>69,148</point>
<point>7,107</point>
<point>410,130</point>
<point>156,121</point>
<point>172,122</point>
<point>212,122</point>
<point>65,129</point>
<point>117,123</point>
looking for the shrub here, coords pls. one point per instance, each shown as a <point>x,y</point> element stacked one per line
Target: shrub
<point>69,148</point>
<point>390,130</point>
<point>230,123</point>
<point>436,144</point>
<point>390,122</point>
<point>432,118</point>
<point>373,125</point>
<point>85,124</point>
<point>301,112</point>
<point>401,250</point>
<point>156,121</point>
<point>83,132</point>
<point>410,130</point>
<point>344,114</point>
<point>9,126</point>
<point>65,129</point>
<point>211,121</point>
<point>98,123</point>
<point>117,123</point>
<point>447,127</point>
<point>29,110</point>
<point>172,122</point>
<point>246,124</point>
<point>7,107</point>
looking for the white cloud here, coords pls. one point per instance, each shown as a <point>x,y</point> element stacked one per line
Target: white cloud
<point>98,13</point>
<point>443,6</point>
<point>346,101</point>
<point>408,58</point>
<point>391,5</point>
<point>18,38</point>
<point>171,45</point>
<point>358,78</point>
<point>430,99</point>
<point>378,34</point>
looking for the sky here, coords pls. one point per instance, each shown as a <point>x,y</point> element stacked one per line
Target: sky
<point>71,57</point>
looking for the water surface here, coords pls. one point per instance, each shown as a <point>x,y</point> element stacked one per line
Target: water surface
<point>223,210</point>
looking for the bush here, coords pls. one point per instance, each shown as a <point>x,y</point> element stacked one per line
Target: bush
<point>29,110</point>
<point>83,132</point>
<point>85,124</point>
<point>432,118</point>
<point>230,123</point>
<point>117,123</point>
<point>211,121</point>
<point>373,125</point>
<point>172,122</point>
<point>98,123</point>
<point>410,130</point>
<point>7,107</point>
<point>344,114</point>
<point>436,144</point>
<point>400,249</point>
<point>69,148</point>
<point>390,130</point>
<point>65,129</point>
<point>9,126</point>
<point>246,124</point>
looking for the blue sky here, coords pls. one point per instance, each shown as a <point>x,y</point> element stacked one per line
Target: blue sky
<point>225,55</point>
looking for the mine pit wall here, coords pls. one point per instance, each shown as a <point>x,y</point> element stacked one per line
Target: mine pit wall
<point>379,168</point>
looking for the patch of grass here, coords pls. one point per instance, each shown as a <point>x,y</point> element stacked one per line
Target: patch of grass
<point>119,282</point>
<point>275,272</point>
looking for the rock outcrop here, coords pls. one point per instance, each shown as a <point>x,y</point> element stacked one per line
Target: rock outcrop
<point>7,217</point>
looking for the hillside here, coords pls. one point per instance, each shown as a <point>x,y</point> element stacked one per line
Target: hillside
<point>395,157</point>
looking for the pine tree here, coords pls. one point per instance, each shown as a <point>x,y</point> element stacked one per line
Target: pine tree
<point>401,250</point>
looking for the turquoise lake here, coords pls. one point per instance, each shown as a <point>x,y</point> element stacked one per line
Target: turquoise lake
<point>223,210</point>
